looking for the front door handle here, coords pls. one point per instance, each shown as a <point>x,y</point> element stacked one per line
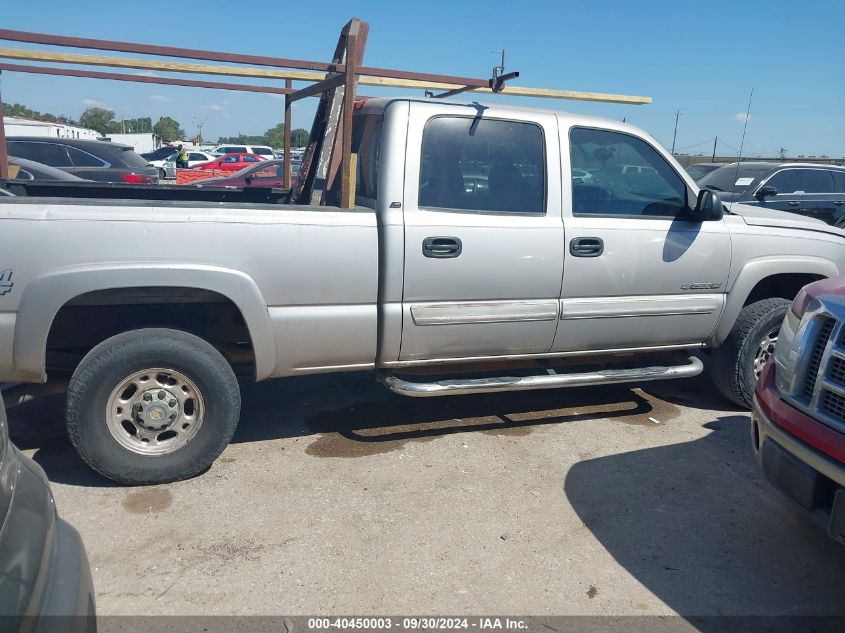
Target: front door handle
<point>441,247</point>
<point>586,247</point>
<point>839,203</point>
<point>794,203</point>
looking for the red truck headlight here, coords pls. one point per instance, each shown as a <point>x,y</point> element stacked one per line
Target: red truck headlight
<point>800,303</point>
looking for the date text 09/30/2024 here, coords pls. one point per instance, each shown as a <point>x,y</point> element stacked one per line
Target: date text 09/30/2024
<point>417,623</point>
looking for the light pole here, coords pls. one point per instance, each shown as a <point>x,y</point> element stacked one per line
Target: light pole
<point>199,122</point>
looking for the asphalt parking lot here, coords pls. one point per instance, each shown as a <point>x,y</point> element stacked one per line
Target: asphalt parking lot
<point>337,497</point>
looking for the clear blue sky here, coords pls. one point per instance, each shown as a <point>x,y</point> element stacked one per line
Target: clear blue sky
<point>701,58</point>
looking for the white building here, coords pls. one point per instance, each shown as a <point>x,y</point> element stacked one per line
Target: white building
<point>19,126</point>
<point>142,142</point>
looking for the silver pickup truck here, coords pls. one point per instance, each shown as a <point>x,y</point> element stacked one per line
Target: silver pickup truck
<point>499,248</point>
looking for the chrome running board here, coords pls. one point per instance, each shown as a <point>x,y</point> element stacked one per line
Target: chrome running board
<point>693,367</point>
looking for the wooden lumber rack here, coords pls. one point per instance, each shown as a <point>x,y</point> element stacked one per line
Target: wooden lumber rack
<point>327,174</point>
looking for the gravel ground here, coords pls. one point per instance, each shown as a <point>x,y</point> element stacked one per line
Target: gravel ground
<point>337,497</point>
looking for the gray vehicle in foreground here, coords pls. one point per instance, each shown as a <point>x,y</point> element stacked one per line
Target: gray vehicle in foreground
<point>92,160</point>
<point>45,579</point>
<point>474,263</point>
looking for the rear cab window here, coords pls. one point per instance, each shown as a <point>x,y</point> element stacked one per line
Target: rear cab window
<point>483,165</point>
<point>366,143</point>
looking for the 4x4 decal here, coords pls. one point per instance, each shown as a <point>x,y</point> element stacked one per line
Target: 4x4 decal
<point>6,282</point>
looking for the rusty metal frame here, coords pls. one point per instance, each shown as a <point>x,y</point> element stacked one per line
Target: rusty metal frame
<point>236,58</point>
<point>329,149</point>
<point>170,81</point>
<point>328,163</point>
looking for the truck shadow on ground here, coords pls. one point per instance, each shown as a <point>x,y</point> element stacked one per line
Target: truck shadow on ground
<point>698,526</point>
<point>353,416</point>
<point>367,419</point>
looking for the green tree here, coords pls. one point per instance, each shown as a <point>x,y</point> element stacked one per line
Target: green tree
<point>98,119</point>
<point>275,136</point>
<point>299,137</point>
<point>169,129</point>
<point>20,110</point>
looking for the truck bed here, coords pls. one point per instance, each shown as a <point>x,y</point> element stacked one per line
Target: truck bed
<point>304,279</point>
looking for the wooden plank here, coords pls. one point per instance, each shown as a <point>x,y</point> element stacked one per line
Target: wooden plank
<point>354,55</point>
<point>331,151</point>
<point>315,163</point>
<point>144,79</point>
<point>4,155</point>
<point>218,56</point>
<point>242,71</point>
<point>347,190</point>
<point>286,181</point>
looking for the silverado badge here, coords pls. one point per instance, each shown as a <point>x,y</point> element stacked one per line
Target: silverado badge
<point>705,285</point>
<point>6,282</point>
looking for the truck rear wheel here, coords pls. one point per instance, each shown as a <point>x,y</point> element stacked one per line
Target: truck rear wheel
<point>152,406</point>
<point>737,363</point>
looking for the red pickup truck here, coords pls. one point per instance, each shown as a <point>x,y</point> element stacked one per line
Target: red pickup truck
<point>798,423</point>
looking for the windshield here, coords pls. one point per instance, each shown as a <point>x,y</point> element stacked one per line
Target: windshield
<point>729,178</point>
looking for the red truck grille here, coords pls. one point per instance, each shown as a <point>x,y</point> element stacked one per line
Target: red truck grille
<point>820,391</point>
<point>817,357</point>
<point>833,404</point>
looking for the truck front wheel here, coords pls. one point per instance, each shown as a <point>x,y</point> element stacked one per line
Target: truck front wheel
<point>737,363</point>
<point>152,406</point>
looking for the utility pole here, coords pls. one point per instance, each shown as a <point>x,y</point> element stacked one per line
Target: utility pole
<point>783,151</point>
<point>675,135</point>
<point>715,140</point>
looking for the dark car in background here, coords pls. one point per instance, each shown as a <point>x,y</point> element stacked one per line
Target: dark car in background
<point>44,570</point>
<point>699,170</point>
<point>92,160</point>
<point>798,420</point>
<point>30,170</point>
<point>268,173</point>
<point>817,191</point>
<point>162,153</point>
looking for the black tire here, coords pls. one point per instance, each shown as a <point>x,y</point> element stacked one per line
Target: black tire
<point>732,366</point>
<point>112,361</point>
<point>162,174</point>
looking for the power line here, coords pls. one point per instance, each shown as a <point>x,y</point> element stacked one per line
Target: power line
<point>708,141</point>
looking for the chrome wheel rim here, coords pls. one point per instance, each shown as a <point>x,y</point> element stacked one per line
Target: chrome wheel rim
<point>765,351</point>
<point>155,411</point>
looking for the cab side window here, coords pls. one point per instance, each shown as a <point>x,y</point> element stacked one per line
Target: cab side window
<point>614,173</point>
<point>816,181</point>
<point>839,181</point>
<point>786,181</point>
<point>483,165</point>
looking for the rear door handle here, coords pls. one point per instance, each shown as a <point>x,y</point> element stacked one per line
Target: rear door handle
<point>839,203</point>
<point>441,247</point>
<point>794,203</point>
<point>586,247</point>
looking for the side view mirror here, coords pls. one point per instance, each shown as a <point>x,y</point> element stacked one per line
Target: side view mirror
<point>707,207</point>
<point>249,178</point>
<point>765,191</point>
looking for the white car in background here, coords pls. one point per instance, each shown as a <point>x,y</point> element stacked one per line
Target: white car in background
<point>264,151</point>
<point>195,157</point>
